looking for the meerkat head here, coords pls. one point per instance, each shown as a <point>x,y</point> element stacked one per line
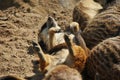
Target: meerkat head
<point>50,26</point>
<point>50,23</point>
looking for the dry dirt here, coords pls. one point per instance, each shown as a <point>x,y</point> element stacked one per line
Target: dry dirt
<point>20,21</point>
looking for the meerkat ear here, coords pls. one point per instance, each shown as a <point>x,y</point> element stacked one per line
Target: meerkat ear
<point>80,41</point>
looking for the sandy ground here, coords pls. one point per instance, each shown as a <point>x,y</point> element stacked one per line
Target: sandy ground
<point>20,21</point>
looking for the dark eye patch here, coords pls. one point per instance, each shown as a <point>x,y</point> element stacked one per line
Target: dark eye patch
<point>51,25</point>
<point>48,24</point>
<point>43,27</point>
<point>43,46</point>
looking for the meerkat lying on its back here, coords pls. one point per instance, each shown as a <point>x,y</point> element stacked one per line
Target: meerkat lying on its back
<point>75,54</point>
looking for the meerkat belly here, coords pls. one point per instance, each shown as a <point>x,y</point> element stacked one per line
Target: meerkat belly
<point>58,39</point>
<point>62,55</point>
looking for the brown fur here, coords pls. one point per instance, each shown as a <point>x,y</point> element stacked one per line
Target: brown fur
<point>59,72</point>
<point>79,58</point>
<point>105,59</point>
<point>105,25</point>
<point>57,47</point>
<point>61,55</point>
<point>63,72</point>
<point>84,11</point>
<point>77,61</point>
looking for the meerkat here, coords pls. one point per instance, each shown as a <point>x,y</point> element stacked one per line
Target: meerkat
<point>85,11</point>
<point>75,59</point>
<point>104,25</point>
<point>104,59</point>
